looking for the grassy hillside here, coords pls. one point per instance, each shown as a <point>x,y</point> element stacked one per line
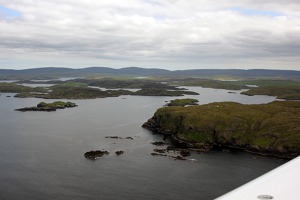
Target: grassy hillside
<point>281,92</point>
<point>209,83</point>
<point>74,90</point>
<point>282,89</point>
<point>234,85</point>
<point>272,129</point>
<point>15,88</point>
<point>51,72</point>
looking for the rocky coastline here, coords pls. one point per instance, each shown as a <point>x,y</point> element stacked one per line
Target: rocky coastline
<point>206,147</point>
<point>262,136</point>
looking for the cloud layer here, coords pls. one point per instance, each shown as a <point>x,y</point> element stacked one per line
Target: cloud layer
<point>173,34</point>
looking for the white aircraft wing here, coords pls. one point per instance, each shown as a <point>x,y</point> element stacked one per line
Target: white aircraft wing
<point>282,183</point>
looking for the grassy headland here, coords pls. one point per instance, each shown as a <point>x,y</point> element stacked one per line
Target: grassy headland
<point>232,85</point>
<point>288,92</point>
<point>282,89</point>
<point>209,83</point>
<point>15,88</point>
<point>183,102</point>
<point>270,129</point>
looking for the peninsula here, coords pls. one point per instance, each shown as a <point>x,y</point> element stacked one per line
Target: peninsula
<point>267,129</point>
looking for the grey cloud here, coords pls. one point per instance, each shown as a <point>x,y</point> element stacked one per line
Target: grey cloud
<point>174,31</point>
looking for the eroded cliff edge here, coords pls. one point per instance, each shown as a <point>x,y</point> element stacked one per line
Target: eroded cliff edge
<point>267,129</point>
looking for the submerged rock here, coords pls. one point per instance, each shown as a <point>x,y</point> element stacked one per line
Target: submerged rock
<point>179,158</point>
<point>160,150</point>
<point>185,152</point>
<point>117,137</point>
<point>119,152</point>
<point>93,155</point>
<point>113,137</point>
<point>158,143</point>
<point>158,154</point>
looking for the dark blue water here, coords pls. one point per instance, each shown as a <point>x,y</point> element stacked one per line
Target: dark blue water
<point>41,154</point>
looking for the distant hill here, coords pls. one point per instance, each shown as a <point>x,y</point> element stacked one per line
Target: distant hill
<point>53,72</point>
<point>239,72</point>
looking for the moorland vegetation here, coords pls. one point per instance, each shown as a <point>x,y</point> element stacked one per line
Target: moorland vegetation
<point>268,129</point>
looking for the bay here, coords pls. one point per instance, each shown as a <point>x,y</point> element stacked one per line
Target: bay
<point>42,153</point>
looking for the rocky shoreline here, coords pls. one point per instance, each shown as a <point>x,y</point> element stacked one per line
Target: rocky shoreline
<point>178,143</point>
<point>175,129</point>
<point>206,147</point>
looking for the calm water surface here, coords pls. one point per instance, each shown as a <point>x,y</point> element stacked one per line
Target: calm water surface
<point>41,154</point>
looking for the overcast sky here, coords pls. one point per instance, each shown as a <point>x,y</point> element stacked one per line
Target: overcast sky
<point>169,34</point>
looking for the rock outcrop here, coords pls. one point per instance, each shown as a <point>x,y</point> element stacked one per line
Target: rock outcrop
<point>93,155</point>
<point>117,137</point>
<point>268,129</point>
<point>119,152</point>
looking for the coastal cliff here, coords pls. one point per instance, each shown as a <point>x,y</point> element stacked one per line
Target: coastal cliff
<point>267,129</point>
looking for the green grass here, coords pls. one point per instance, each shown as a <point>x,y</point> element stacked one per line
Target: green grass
<point>197,137</point>
<point>183,102</point>
<point>78,89</point>
<point>115,83</point>
<point>162,92</point>
<point>209,83</point>
<point>233,85</point>
<point>269,82</point>
<point>266,127</point>
<point>15,88</point>
<point>48,107</point>
<point>263,142</point>
<point>56,104</point>
<point>289,92</point>
<point>70,84</point>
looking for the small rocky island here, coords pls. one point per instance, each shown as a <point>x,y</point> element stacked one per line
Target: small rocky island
<point>267,129</point>
<point>93,155</point>
<point>183,102</point>
<point>48,107</point>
